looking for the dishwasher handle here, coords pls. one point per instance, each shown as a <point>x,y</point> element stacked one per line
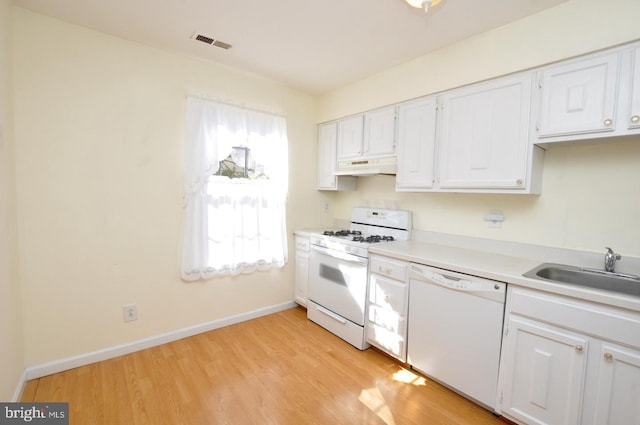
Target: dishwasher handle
<point>459,282</point>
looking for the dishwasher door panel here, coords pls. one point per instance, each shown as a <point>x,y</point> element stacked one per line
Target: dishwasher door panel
<point>455,338</point>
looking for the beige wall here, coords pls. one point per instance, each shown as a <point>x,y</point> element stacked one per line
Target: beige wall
<point>99,126</point>
<point>590,196</point>
<point>11,343</point>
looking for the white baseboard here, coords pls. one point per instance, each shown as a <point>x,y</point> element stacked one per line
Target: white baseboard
<point>17,395</point>
<point>38,371</point>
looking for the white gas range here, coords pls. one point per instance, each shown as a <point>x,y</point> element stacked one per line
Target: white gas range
<point>338,270</point>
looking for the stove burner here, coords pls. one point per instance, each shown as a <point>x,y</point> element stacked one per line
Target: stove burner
<point>356,236</point>
<point>372,239</point>
<point>341,233</point>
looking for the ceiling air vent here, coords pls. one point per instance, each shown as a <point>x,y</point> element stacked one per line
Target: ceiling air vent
<point>211,40</point>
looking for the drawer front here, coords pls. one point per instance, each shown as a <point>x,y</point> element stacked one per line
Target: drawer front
<point>302,244</point>
<point>394,269</point>
<point>388,293</point>
<point>606,322</point>
<point>387,341</point>
<point>388,319</point>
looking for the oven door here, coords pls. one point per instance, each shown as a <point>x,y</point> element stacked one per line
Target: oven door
<point>338,282</point>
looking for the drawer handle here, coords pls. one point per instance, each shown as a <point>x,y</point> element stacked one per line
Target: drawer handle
<point>383,270</point>
<point>579,348</point>
<point>608,356</point>
<point>332,315</point>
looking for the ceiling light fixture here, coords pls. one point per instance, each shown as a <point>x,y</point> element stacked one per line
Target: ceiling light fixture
<point>423,4</point>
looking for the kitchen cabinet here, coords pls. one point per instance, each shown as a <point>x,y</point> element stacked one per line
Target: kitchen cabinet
<point>350,137</point>
<point>388,305</point>
<point>579,96</point>
<point>594,96</point>
<point>327,180</point>
<point>617,386</point>
<point>484,143</point>
<point>416,146</point>
<point>633,117</point>
<point>379,133</point>
<point>301,269</point>
<point>569,361</point>
<point>544,373</point>
<point>368,135</point>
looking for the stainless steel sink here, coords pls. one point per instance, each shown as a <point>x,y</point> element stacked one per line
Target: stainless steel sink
<point>590,278</point>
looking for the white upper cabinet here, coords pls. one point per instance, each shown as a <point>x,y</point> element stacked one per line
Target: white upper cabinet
<point>633,117</point>
<point>350,131</point>
<point>327,180</point>
<point>416,145</point>
<point>592,97</point>
<point>484,142</point>
<point>379,132</point>
<point>579,96</point>
<point>369,135</point>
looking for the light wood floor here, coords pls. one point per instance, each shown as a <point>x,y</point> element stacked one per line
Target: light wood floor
<point>278,369</point>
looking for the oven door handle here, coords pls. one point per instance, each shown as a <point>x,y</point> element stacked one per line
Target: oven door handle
<point>341,255</point>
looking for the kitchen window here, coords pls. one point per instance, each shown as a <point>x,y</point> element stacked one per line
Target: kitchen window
<point>235,190</point>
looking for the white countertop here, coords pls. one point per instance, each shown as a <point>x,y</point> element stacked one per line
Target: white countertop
<point>504,268</point>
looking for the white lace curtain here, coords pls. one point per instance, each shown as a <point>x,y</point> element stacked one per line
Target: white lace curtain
<point>233,226</point>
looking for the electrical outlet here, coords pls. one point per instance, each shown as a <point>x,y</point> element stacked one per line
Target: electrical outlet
<point>130,312</point>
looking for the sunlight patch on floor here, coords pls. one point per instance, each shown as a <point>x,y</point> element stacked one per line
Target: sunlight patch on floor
<point>408,377</point>
<point>374,400</point>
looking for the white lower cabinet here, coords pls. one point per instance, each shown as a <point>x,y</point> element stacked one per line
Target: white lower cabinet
<point>567,361</point>
<point>302,269</point>
<point>544,373</point>
<point>618,386</point>
<point>388,306</point>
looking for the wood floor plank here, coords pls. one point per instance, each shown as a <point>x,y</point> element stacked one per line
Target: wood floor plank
<point>278,369</point>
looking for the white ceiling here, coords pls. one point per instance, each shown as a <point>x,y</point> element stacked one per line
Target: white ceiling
<point>313,46</point>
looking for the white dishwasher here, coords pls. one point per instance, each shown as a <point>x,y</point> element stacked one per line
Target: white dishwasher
<point>455,330</point>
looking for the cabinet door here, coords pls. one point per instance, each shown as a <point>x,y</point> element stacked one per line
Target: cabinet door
<point>416,145</point>
<point>484,136</point>
<point>634,119</point>
<point>327,137</point>
<point>544,373</point>
<point>302,270</point>
<point>618,391</point>
<point>350,138</point>
<point>379,133</point>
<point>579,96</point>
<point>327,140</point>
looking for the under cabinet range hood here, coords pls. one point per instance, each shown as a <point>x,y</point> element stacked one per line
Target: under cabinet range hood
<point>367,167</point>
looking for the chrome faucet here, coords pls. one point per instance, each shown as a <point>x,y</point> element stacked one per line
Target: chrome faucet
<point>610,260</point>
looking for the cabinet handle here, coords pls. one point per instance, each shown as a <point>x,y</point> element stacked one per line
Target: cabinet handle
<point>579,348</point>
<point>519,182</point>
<point>608,122</point>
<point>635,119</point>
<point>608,356</point>
<point>383,270</point>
